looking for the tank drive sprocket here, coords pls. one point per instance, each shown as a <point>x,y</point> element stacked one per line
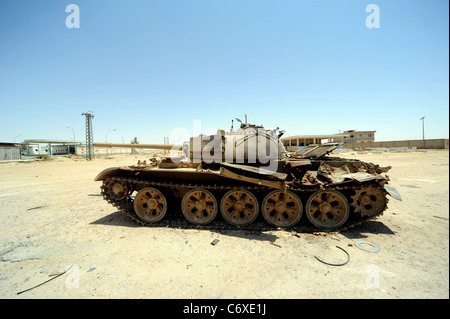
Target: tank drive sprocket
<point>369,201</point>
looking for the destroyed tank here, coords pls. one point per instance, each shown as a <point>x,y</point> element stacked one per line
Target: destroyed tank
<point>231,179</point>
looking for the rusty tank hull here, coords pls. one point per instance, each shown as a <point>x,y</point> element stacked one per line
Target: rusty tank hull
<point>254,187</point>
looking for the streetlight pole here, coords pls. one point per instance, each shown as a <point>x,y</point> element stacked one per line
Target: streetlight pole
<point>73,132</point>
<point>16,137</point>
<point>106,136</point>
<point>423,127</point>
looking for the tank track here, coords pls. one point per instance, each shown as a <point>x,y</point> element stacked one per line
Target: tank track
<point>175,219</point>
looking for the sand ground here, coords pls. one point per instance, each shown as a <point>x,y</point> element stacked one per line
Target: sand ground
<point>52,217</point>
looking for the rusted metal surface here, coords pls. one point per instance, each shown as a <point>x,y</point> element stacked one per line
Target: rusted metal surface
<point>256,170</point>
<point>296,163</point>
<point>369,200</point>
<point>226,175</point>
<point>337,175</point>
<point>259,181</point>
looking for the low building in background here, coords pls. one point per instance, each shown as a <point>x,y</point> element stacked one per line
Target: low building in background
<point>350,137</point>
<point>9,151</point>
<point>36,147</point>
<point>292,143</point>
<point>353,136</point>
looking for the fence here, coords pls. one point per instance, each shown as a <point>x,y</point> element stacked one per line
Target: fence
<point>441,143</point>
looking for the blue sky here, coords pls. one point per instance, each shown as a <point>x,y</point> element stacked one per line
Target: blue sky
<point>147,67</point>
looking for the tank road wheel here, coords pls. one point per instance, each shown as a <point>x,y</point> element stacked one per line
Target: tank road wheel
<point>239,207</point>
<point>116,189</point>
<point>369,201</point>
<point>327,209</point>
<point>282,209</point>
<point>199,206</point>
<point>150,205</point>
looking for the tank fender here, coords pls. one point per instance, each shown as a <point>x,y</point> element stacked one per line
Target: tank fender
<point>107,173</point>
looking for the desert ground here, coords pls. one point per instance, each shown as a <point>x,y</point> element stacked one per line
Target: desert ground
<point>52,219</point>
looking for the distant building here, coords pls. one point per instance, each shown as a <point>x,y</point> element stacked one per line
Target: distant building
<point>49,147</point>
<point>9,151</point>
<point>292,143</point>
<point>353,136</point>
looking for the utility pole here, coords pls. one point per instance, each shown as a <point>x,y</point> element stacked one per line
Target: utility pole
<point>89,136</point>
<point>423,127</point>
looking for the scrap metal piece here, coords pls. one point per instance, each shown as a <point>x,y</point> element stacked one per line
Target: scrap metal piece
<point>296,163</point>
<point>35,208</point>
<point>338,175</point>
<point>316,151</point>
<point>56,276</point>
<point>360,176</point>
<point>375,248</point>
<point>330,173</point>
<point>310,178</point>
<point>393,192</point>
<point>341,264</point>
<point>276,245</point>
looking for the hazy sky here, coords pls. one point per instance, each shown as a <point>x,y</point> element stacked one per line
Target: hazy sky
<point>147,67</point>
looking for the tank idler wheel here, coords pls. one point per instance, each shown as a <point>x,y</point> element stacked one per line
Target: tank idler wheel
<point>282,208</point>
<point>327,209</point>
<point>116,189</point>
<point>150,205</point>
<point>239,207</point>
<point>199,206</point>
